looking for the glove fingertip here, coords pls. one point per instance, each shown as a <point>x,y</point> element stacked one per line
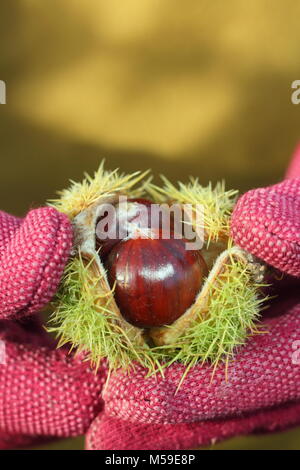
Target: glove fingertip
<point>293,170</point>
<point>59,237</point>
<point>266,223</point>
<point>33,261</point>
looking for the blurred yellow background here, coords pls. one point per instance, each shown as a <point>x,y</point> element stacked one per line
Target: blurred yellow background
<point>186,88</point>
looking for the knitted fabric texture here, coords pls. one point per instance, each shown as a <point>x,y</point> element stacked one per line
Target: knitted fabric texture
<point>260,391</point>
<point>108,433</point>
<point>47,393</point>
<point>9,442</point>
<point>44,393</point>
<point>33,254</point>
<point>266,223</point>
<point>262,375</point>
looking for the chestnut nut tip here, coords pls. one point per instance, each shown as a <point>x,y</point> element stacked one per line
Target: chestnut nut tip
<point>127,217</point>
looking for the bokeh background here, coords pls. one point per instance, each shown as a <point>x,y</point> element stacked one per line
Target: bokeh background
<point>186,88</point>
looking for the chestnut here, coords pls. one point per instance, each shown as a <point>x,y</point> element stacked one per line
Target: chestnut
<point>155,280</point>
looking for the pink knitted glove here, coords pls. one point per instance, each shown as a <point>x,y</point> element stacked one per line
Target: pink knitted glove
<point>44,393</point>
<point>262,390</point>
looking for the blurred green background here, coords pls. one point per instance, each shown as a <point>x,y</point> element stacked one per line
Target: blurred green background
<point>192,88</point>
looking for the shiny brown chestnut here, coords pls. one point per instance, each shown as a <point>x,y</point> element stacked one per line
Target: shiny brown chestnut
<point>155,279</point>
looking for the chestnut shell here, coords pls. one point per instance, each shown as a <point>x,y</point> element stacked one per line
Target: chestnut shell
<point>155,280</point>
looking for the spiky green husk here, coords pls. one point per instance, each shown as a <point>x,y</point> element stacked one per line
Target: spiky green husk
<point>81,195</point>
<point>83,319</point>
<point>231,316</point>
<point>217,203</point>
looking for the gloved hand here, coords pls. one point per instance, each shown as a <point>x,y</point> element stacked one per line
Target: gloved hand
<point>44,392</point>
<point>262,390</point>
